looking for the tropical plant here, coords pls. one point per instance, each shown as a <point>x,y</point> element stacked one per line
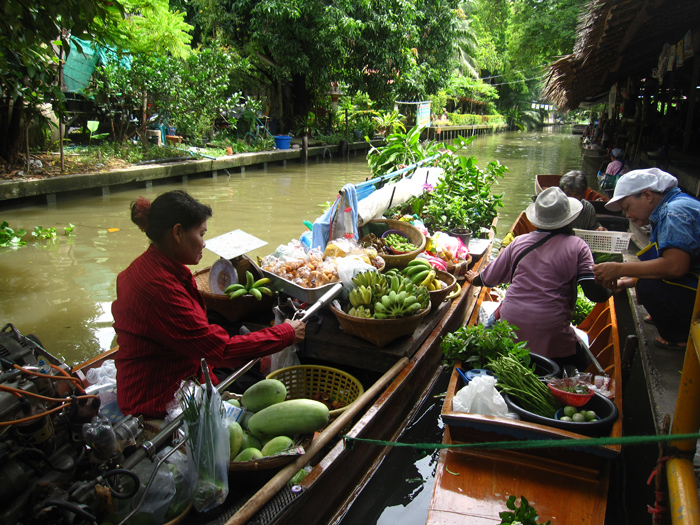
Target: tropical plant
<point>10,237</point>
<point>401,149</point>
<point>463,198</point>
<point>389,122</point>
<point>43,233</point>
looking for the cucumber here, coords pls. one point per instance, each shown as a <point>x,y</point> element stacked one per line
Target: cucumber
<point>289,418</point>
<point>263,394</point>
<point>250,441</point>
<point>249,454</point>
<point>235,433</point>
<point>277,444</point>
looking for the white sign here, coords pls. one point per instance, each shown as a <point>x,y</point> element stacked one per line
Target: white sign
<point>233,244</point>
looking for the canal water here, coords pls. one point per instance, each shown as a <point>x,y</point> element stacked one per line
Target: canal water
<point>61,290</point>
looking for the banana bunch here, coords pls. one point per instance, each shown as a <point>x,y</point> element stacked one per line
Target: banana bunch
<point>361,311</point>
<point>361,296</point>
<point>394,305</point>
<point>423,274</point>
<point>251,286</point>
<point>374,281</point>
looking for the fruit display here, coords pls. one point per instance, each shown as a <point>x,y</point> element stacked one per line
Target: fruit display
<point>573,414</point>
<point>399,243</point>
<point>422,272</point>
<point>251,287</point>
<point>273,422</point>
<point>386,296</point>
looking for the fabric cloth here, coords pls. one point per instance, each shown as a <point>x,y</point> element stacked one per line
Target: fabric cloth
<point>542,294</point>
<point>163,332</point>
<point>587,219</point>
<point>675,223</point>
<point>634,182</point>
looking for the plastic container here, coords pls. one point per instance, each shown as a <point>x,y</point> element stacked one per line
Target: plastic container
<point>606,242</point>
<point>282,141</point>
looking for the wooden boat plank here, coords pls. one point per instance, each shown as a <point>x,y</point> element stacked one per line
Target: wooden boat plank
<point>471,487</point>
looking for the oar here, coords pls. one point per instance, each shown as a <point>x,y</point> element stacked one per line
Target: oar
<point>272,487</point>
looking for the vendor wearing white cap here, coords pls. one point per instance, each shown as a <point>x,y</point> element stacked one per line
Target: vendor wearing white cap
<point>667,275</point>
<point>544,268</point>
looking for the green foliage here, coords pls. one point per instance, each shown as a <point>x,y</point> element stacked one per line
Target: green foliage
<point>582,307</point>
<point>399,149</point>
<point>68,230</point>
<point>9,237</point>
<point>476,345</point>
<point>463,197</point>
<point>525,514</point>
<point>44,233</point>
<point>389,122</point>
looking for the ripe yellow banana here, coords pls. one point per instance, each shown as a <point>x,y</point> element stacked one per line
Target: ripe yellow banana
<point>261,282</point>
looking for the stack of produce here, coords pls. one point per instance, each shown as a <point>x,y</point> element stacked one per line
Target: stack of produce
<point>421,272</point>
<point>275,421</point>
<point>390,296</point>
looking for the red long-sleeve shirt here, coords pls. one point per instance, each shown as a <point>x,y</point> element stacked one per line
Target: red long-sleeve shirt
<point>163,332</point>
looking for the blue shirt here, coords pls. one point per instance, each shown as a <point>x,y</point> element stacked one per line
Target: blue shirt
<point>675,223</point>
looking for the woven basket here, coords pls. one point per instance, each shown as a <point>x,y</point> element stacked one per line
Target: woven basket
<point>438,296</point>
<point>242,307</point>
<point>379,332</point>
<point>379,226</point>
<point>307,381</point>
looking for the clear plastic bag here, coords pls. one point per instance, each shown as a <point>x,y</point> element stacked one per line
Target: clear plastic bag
<point>480,397</point>
<point>288,356</point>
<point>208,448</point>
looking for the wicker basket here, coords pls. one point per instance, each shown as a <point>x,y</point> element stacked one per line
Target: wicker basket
<point>379,332</point>
<point>242,307</point>
<point>307,381</point>
<point>379,226</point>
<point>438,296</point>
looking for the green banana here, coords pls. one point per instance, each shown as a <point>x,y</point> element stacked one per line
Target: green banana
<point>264,290</point>
<point>249,280</point>
<point>234,287</point>
<point>420,277</point>
<point>238,293</point>
<point>255,292</point>
<point>261,282</point>
<point>419,262</point>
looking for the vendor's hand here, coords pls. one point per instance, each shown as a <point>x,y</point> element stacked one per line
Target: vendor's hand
<point>601,229</point>
<point>299,329</point>
<point>470,276</point>
<point>607,274</point>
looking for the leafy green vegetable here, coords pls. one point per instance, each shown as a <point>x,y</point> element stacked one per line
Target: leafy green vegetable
<point>582,307</point>
<point>525,514</point>
<point>476,345</point>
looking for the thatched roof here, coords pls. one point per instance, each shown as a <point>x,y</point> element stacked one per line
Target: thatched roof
<point>618,39</point>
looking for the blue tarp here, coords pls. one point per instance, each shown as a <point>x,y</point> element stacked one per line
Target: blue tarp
<point>79,66</point>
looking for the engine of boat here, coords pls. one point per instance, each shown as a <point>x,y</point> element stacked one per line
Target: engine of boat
<point>48,472</point>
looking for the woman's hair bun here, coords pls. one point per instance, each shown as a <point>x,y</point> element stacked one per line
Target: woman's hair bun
<point>140,211</point>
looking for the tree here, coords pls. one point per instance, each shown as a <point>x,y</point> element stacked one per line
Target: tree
<point>29,30</point>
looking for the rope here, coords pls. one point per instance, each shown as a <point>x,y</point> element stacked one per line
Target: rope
<point>544,443</point>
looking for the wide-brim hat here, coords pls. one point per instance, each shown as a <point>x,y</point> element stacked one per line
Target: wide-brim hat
<point>553,209</point>
<point>634,182</point>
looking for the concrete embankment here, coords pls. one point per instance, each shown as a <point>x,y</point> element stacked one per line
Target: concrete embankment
<point>48,190</point>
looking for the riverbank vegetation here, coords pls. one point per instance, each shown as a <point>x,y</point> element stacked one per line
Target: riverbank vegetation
<point>232,73</point>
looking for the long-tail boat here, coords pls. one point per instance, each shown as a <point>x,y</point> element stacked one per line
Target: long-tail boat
<point>569,485</point>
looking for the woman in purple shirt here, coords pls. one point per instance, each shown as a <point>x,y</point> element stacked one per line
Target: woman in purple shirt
<point>544,268</point>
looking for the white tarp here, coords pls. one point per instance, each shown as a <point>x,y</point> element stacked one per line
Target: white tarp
<point>374,205</point>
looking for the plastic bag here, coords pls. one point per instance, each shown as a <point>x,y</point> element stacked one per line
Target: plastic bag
<point>286,357</point>
<point>349,267</point>
<point>104,375</point>
<point>480,397</point>
<point>208,449</point>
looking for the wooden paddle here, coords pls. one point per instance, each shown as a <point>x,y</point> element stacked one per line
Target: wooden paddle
<point>272,487</point>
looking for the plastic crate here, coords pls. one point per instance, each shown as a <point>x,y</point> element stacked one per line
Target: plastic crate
<point>606,242</point>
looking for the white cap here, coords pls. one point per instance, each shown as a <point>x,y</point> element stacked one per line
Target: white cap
<point>633,182</point>
<point>553,209</point>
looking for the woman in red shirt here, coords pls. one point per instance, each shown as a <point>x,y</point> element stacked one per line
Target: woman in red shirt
<point>160,317</point>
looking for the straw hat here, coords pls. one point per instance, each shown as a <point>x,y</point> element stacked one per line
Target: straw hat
<point>553,209</point>
<point>633,182</point>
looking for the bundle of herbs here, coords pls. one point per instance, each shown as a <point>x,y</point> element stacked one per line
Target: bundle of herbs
<point>523,385</point>
<point>476,346</point>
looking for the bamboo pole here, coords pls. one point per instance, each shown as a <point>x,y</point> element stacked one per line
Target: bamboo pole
<point>272,487</point>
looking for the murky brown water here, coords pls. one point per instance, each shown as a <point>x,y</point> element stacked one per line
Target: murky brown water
<point>61,290</point>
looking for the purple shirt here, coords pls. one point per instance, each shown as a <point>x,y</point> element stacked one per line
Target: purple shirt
<point>542,294</point>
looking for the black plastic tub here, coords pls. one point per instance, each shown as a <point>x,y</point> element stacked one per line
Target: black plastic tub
<point>601,405</point>
<point>545,368</point>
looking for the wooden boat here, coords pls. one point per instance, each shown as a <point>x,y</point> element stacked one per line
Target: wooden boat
<point>564,484</point>
<point>396,378</point>
<point>546,181</point>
